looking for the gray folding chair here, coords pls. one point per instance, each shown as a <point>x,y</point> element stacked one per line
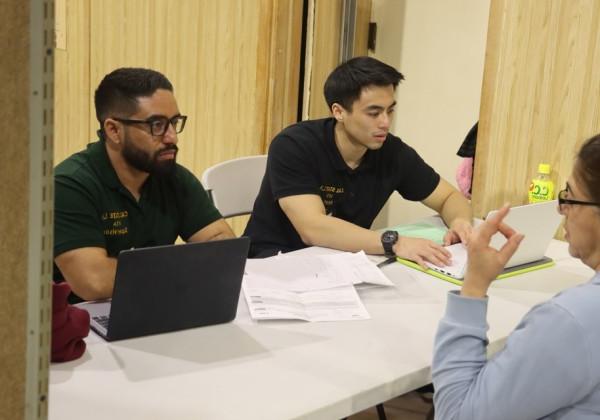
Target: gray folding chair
<point>233,185</point>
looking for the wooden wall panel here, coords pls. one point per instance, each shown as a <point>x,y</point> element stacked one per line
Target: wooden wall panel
<point>73,101</point>
<point>361,32</point>
<point>209,50</point>
<point>284,70</point>
<point>26,74</point>
<point>322,54</point>
<point>540,96</point>
<point>14,207</point>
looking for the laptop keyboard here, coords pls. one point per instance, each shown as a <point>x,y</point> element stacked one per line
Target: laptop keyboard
<point>102,320</point>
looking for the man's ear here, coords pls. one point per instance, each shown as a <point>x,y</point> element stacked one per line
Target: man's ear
<point>112,130</point>
<point>338,112</point>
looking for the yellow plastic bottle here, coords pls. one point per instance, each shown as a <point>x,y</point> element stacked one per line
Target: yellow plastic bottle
<point>541,187</point>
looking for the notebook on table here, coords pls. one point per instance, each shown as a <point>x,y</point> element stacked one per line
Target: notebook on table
<point>538,222</point>
<point>173,287</point>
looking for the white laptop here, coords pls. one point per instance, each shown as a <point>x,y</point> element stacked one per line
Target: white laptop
<point>538,222</point>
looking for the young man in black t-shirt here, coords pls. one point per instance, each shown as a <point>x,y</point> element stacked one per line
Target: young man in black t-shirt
<point>326,180</point>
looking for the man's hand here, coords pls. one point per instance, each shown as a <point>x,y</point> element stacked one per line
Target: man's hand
<point>460,231</point>
<point>421,250</point>
<point>485,262</point>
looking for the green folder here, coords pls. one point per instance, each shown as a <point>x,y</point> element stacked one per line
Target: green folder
<point>509,272</point>
<point>422,230</point>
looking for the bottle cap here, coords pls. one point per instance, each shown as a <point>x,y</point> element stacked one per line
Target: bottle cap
<point>544,168</point>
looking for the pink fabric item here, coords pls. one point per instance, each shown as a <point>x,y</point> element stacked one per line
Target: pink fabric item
<point>69,326</point>
<point>464,176</point>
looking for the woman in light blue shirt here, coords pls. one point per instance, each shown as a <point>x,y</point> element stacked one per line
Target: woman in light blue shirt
<point>550,366</point>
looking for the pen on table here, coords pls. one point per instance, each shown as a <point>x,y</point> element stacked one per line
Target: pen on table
<point>386,262</point>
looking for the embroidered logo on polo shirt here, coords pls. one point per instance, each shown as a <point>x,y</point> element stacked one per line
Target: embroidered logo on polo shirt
<point>328,194</point>
<point>115,223</point>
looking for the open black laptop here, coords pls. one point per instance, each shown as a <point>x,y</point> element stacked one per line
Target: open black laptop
<point>172,287</point>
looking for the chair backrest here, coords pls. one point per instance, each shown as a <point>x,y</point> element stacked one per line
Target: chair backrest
<point>233,185</point>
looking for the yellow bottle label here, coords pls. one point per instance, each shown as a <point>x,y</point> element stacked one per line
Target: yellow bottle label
<point>541,190</point>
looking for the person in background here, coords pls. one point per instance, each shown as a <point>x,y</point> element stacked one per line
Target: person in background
<point>549,367</point>
<point>126,189</point>
<point>464,172</point>
<point>326,180</point>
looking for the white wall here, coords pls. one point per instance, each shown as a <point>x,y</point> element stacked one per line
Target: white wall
<point>439,46</point>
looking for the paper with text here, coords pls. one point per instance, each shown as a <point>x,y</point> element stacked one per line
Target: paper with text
<point>309,287</point>
<point>334,304</point>
<point>301,273</point>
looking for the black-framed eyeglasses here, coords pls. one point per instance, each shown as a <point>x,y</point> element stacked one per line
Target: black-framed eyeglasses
<point>562,200</point>
<point>159,125</point>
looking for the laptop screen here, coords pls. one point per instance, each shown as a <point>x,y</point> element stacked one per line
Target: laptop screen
<point>538,222</point>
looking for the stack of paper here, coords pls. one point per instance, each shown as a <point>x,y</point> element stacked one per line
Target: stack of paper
<point>309,287</point>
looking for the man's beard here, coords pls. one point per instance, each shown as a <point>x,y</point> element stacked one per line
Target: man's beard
<point>146,162</point>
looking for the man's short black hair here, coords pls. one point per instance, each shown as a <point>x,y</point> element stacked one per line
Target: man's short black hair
<point>118,92</point>
<point>346,82</point>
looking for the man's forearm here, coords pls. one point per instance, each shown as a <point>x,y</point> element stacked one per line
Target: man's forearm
<point>89,272</point>
<point>223,234</point>
<point>218,229</point>
<point>332,232</point>
<point>455,207</point>
<point>96,281</point>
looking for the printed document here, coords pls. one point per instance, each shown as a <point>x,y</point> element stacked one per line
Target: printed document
<point>336,304</point>
<point>309,287</point>
<point>301,273</point>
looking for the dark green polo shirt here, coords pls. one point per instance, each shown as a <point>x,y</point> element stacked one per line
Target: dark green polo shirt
<point>93,208</point>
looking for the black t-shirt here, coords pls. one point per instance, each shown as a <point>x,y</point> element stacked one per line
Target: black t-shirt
<point>304,159</point>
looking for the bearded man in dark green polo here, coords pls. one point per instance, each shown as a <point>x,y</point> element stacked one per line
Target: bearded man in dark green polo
<point>126,189</point>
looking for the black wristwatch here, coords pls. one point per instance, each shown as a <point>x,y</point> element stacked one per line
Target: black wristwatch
<point>388,240</point>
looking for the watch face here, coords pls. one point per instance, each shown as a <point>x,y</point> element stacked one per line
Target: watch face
<point>390,236</point>
<point>388,239</point>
